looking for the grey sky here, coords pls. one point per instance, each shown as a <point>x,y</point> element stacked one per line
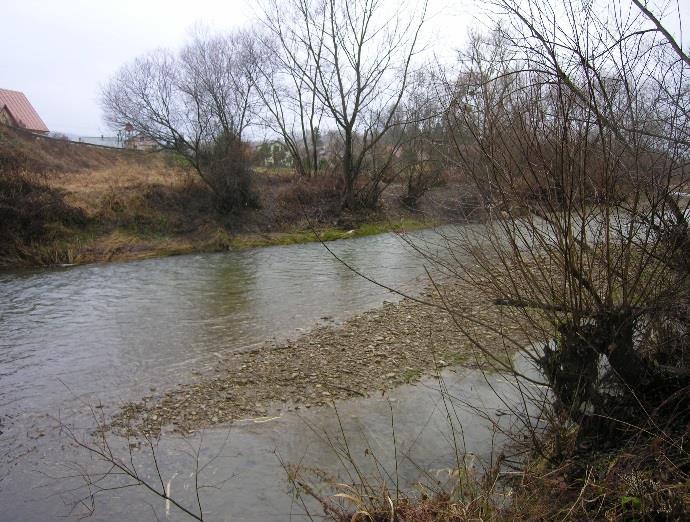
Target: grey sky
<point>59,52</point>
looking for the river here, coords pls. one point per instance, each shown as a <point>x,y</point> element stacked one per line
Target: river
<point>106,334</point>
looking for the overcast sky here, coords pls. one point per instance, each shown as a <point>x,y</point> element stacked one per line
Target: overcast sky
<point>59,52</point>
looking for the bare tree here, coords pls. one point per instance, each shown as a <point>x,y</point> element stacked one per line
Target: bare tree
<point>421,139</point>
<point>221,69</point>
<point>197,104</point>
<point>353,61</point>
<point>291,108</point>
<point>580,145</point>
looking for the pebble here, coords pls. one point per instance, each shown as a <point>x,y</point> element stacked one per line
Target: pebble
<point>349,356</point>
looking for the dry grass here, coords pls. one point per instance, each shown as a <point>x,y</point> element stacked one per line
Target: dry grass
<point>646,478</point>
<point>135,204</point>
<point>66,203</point>
<point>22,151</point>
<point>85,188</point>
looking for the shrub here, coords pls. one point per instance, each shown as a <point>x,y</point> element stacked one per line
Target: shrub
<point>28,207</point>
<point>225,167</point>
<point>316,198</point>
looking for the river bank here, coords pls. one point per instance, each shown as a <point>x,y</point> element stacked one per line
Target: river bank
<point>147,209</point>
<point>372,352</point>
<point>69,204</point>
<point>92,246</point>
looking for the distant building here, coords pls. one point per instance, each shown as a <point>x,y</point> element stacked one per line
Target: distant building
<point>273,154</point>
<point>135,140</point>
<point>16,111</point>
<point>103,141</point>
<point>140,142</point>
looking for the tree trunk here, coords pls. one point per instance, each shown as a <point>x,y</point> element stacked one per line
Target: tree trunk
<point>349,176</point>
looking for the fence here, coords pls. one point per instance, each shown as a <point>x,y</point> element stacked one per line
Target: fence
<point>114,142</point>
<point>104,142</point>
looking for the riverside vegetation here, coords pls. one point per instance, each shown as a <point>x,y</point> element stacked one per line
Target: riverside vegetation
<point>567,126</point>
<point>66,203</point>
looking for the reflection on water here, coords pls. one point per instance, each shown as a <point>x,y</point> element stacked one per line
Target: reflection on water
<point>113,332</point>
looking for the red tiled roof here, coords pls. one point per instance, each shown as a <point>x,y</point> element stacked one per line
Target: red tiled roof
<point>21,110</point>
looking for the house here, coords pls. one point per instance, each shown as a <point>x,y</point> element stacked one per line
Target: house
<point>140,142</point>
<point>103,141</point>
<point>134,140</point>
<point>16,111</point>
<point>273,154</point>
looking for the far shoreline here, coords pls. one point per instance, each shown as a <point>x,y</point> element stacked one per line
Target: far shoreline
<point>121,247</point>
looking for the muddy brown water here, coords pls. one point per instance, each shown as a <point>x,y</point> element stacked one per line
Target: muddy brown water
<point>76,337</point>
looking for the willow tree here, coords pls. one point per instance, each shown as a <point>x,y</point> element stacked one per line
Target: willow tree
<point>196,103</point>
<point>580,145</point>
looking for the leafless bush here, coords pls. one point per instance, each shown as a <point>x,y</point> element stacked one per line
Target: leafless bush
<point>225,164</point>
<point>318,198</point>
<point>571,120</point>
<point>196,104</point>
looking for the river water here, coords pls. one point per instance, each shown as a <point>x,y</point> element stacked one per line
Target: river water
<point>75,337</point>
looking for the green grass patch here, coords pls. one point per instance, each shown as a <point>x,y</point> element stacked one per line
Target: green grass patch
<point>410,375</point>
<point>401,225</point>
<point>455,358</point>
<point>327,234</point>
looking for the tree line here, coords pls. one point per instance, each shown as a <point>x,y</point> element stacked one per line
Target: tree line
<point>304,71</point>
